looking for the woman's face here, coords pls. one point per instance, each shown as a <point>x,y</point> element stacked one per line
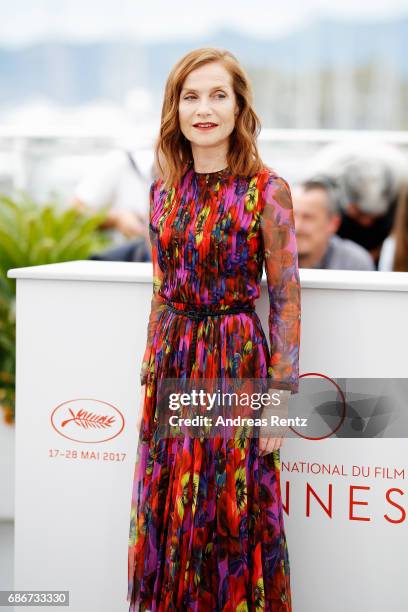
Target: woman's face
<point>207,97</point>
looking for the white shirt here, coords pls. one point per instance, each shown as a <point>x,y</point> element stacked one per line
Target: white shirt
<point>112,181</point>
<point>386,259</point>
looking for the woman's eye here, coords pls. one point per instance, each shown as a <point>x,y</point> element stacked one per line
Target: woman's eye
<point>218,95</point>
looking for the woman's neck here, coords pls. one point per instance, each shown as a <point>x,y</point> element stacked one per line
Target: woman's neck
<point>209,160</point>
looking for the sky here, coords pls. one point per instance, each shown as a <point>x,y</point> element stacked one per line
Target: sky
<point>26,21</point>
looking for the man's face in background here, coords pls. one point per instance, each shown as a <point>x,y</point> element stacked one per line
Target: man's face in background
<point>314,222</point>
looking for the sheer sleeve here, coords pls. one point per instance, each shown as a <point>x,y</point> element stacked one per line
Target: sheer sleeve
<point>157,300</point>
<point>282,273</point>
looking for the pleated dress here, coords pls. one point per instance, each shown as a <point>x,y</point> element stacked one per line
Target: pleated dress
<point>206,521</point>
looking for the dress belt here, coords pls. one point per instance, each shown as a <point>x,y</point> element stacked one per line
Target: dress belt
<point>200,313</point>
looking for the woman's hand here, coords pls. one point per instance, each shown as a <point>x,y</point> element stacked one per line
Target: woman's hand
<point>270,443</point>
<point>267,445</point>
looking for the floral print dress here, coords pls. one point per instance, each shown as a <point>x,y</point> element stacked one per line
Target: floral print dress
<point>206,522</point>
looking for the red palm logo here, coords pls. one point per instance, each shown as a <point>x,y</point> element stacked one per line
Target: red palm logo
<point>87,420</point>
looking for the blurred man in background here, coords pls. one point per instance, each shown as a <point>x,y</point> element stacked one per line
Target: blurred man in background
<point>120,182</point>
<point>369,176</point>
<point>317,219</point>
<point>368,209</point>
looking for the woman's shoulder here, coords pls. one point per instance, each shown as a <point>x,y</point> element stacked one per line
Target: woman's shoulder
<point>155,198</point>
<point>269,176</point>
<point>156,184</point>
<point>159,192</point>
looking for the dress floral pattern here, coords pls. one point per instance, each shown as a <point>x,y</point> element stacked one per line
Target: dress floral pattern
<point>206,523</point>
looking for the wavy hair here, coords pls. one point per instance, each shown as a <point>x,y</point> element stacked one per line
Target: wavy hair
<point>173,151</point>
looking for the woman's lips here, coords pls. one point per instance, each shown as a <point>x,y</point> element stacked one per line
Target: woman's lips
<point>205,128</point>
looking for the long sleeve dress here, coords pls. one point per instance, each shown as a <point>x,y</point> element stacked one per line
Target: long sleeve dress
<point>206,524</point>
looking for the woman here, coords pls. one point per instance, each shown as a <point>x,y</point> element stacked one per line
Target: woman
<point>394,250</point>
<point>206,528</point>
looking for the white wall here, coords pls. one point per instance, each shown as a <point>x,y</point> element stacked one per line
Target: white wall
<point>81,330</point>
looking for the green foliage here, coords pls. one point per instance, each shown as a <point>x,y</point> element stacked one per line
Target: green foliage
<point>7,357</point>
<point>32,235</point>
